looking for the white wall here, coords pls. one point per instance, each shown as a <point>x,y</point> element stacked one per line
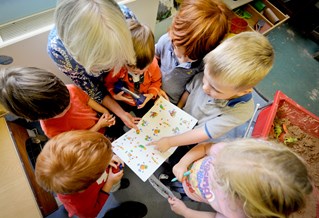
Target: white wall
<point>31,52</point>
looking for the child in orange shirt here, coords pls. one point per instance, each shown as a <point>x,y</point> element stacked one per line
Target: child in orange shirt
<point>142,79</point>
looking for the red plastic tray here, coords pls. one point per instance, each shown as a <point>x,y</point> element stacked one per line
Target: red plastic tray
<point>297,115</point>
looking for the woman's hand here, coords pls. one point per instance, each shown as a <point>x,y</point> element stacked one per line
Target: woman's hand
<point>129,120</point>
<point>148,97</point>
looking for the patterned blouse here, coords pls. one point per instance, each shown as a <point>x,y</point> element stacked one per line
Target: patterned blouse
<point>92,85</point>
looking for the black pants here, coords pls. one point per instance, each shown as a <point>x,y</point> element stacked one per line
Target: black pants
<point>138,112</point>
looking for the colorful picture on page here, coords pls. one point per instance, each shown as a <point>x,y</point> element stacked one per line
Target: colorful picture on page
<point>163,119</point>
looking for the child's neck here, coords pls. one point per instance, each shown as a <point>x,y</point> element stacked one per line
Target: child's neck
<point>241,94</point>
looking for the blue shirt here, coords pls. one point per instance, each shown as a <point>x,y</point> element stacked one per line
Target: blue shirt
<point>174,75</point>
<point>216,116</point>
<point>92,85</point>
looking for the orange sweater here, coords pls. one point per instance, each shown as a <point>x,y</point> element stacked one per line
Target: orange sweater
<point>151,84</point>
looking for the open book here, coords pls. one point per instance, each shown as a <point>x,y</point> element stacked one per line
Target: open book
<point>163,119</point>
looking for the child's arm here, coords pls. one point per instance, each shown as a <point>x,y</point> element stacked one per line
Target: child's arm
<point>193,136</point>
<point>113,178</point>
<point>97,107</point>
<point>163,94</point>
<point>183,100</point>
<point>106,120</point>
<point>156,82</point>
<point>194,154</point>
<point>179,207</point>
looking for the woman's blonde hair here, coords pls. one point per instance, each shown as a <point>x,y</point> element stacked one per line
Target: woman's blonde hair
<point>242,61</point>
<point>143,43</point>
<point>71,161</point>
<point>199,26</point>
<point>95,34</point>
<point>267,177</point>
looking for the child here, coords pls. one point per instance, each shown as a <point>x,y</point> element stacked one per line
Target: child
<point>243,178</point>
<point>221,98</point>
<point>75,165</point>
<point>197,28</point>
<point>37,94</point>
<point>143,78</point>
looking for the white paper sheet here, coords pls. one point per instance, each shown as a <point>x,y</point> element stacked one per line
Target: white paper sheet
<point>163,119</point>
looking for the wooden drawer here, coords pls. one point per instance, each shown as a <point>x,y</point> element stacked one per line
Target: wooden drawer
<point>256,16</point>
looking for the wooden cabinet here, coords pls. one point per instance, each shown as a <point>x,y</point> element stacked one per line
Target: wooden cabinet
<point>20,195</point>
<point>257,16</point>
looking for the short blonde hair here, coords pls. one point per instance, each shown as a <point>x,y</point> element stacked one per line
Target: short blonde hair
<point>143,43</point>
<point>270,179</point>
<point>71,161</point>
<point>242,61</point>
<point>95,33</point>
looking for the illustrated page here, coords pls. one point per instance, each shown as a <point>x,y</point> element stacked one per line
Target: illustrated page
<point>163,119</point>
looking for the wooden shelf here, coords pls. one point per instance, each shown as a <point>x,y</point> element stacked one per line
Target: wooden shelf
<point>256,16</point>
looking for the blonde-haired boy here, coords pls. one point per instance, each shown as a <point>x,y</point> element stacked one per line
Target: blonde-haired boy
<point>221,98</point>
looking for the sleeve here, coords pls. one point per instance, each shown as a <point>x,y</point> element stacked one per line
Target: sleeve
<point>159,46</point>
<point>58,53</point>
<point>110,80</point>
<point>156,78</point>
<point>79,93</point>
<point>193,82</point>
<point>215,148</point>
<point>225,122</point>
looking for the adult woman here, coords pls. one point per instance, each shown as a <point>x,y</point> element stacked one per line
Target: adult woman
<point>91,38</point>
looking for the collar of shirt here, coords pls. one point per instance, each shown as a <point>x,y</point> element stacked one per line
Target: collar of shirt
<point>232,102</point>
<point>186,65</point>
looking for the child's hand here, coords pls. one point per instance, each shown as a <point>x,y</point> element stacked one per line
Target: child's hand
<point>106,120</point>
<point>148,97</point>
<point>114,178</point>
<point>163,94</point>
<point>177,206</point>
<point>179,170</point>
<point>161,145</point>
<point>120,97</point>
<point>116,161</point>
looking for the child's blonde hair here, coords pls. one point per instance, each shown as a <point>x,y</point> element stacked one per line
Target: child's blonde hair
<point>95,33</point>
<point>199,26</point>
<point>242,61</point>
<point>71,161</point>
<point>143,43</point>
<point>267,177</point>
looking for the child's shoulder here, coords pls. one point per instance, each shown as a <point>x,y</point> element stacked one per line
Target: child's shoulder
<point>164,40</point>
